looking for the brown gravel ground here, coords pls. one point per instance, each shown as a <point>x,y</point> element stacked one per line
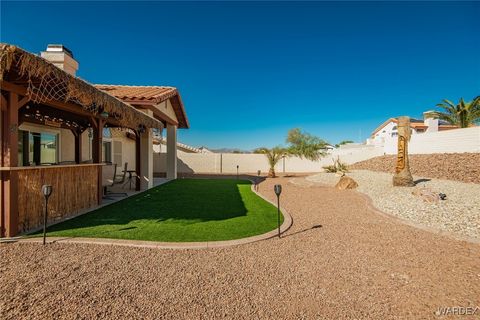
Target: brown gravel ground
<point>463,167</point>
<point>357,265</point>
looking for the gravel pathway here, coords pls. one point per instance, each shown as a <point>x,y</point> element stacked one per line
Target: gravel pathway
<point>459,214</point>
<point>339,260</point>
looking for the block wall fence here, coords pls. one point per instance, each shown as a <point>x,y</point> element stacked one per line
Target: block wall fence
<point>452,141</point>
<point>226,163</point>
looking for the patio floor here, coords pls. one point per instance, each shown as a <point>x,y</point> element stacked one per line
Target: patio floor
<point>108,199</point>
<point>340,259</point>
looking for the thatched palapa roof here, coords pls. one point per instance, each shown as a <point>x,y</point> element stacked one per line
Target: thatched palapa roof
<point>46,82</point>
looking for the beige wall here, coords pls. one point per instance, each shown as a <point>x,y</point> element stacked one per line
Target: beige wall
<point>166,108</point>
<point>66,141</point>
<point>250,163</point>
<point>86,146</point>
<point>67,145</point>
<point>127,147</point>
<point>450,141</point>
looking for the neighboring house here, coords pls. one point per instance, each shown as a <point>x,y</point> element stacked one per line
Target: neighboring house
<point>59,130</point>
<point>329,147</point>
<point>160,146</point>
<point>388,129</point>
<point>205,150</point>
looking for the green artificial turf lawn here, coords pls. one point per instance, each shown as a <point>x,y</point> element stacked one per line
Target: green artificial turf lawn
<point>179,211</point>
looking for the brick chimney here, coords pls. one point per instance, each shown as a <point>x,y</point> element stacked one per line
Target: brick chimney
<point>61,57</point>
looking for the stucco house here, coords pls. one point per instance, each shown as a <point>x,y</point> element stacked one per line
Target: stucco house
<point>388,129</point>
<point>160,146</point>
<point>60,130</point>
<point>162,103</point>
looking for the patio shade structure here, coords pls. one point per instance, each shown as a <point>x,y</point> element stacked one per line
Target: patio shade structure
<point>33,90</point>
<point>164,104</point>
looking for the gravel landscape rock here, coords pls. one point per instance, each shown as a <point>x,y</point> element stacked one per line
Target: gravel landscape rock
<point>449,166</point>
<point>458,214</point>
<point>339,260</point>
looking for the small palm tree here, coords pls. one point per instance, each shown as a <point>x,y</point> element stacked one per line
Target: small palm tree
<point>273,156</point>
<point>464,114</point>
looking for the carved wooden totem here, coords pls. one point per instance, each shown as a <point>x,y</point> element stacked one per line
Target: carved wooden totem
<point>403,177</point>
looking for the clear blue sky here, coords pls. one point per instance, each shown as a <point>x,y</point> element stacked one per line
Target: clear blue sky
<point>250,71</point>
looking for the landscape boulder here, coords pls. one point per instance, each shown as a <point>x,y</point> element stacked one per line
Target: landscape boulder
<point>346,183</point>
<point>427,195</point>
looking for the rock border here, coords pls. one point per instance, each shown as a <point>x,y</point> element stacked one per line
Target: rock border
<point>287,223</point>
<point>370,205</point>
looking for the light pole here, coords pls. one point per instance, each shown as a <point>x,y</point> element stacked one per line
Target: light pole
<point>47,191</point>
<point>278,190</point>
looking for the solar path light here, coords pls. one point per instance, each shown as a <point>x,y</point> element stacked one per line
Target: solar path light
<point>257,181</point>
<point>47,191</point>
<point>237,171</point>
<point>278,190</point>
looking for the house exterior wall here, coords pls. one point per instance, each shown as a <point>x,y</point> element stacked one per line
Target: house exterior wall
<point>86,146</point>
<point>66,144</point>
<point>127,151</point>
<point>166,108</point>
<point>384,133</point>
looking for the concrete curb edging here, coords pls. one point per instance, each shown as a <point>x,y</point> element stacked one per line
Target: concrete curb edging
<point>287,223</point>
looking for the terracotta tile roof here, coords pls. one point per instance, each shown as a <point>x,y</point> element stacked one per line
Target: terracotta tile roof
<point>149,95</point>
<point>446,127</point>
<point>155,94</point>
<point>415,124</point>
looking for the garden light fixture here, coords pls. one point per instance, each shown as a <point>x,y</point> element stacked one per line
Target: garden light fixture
<point>257,181</point>
<point>46,191</point>
<point>278,190</point>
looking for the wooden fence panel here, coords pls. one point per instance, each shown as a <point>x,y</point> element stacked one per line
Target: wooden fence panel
<point>74,189</point>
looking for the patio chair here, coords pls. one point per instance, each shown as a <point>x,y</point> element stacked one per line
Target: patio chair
<point>109,174</point>
<point>119,179</point>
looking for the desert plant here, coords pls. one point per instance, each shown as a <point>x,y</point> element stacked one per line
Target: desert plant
<point>273,156</point>
<point>305,145</point>
<point>301,144</point>
<point>337,166</point>
<point>464,114</point>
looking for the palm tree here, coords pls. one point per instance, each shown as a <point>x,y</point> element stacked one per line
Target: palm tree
<point>464,114</point>
<point>304,145</point>
<point>301,144</point>
<point>273,156</point>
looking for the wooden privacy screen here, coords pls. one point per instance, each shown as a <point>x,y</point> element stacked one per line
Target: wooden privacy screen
<point>74,189</point>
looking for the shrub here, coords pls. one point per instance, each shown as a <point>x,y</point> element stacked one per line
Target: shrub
<point>337,166</point>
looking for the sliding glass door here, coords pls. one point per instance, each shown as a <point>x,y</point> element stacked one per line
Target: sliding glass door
<point>37,148</point>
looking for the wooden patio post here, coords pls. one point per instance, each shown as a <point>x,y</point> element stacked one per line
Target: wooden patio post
<point>10,159</point>
<point>97,152</point>
<point>78,145</point>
